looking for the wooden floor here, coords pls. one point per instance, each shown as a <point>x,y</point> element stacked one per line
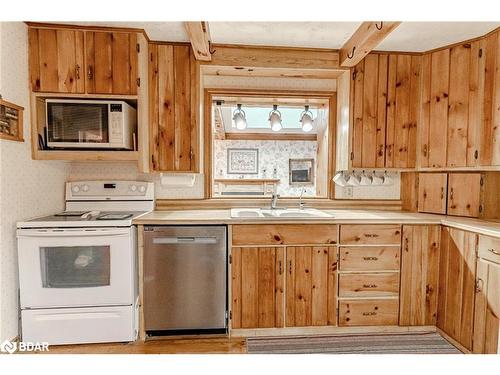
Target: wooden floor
<point>219,345</point>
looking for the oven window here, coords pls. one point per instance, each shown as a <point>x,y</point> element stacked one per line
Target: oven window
<point>75,266</point>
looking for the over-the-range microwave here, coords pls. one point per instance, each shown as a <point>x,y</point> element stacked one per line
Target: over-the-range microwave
<point>104,124</point>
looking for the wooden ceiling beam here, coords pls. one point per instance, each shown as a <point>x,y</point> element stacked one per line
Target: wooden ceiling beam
<point>364,40</point>
<point>199,36</point>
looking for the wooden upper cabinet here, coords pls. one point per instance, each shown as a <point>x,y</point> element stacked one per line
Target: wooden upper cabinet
<point>490,131</point>
<point>464,194</point>
<point>78,61</point>
<point>419,275</point>
<point>56,60</point>
<point>432,190</point>
<point>257,287</point>
<point>385,111</point>
<point>173,117</point>
<point>311,286</point>
<point>111,62</point>
<point>457,284</point>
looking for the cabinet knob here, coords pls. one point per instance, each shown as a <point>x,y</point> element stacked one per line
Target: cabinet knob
<point>77,71</point>
<point>90,73</point>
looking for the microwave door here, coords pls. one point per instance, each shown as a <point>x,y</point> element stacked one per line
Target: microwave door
<point>78,125</point>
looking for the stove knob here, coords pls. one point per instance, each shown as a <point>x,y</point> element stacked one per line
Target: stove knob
<point>75,189</point>
<point>142,189</point>
<point>85,188</point>
<point>133,188</point>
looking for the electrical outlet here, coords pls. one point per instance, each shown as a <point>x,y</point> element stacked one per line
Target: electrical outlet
<point>348,191</point>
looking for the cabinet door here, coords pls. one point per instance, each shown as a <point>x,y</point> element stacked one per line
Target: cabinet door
<point>464,194</point>
<point>111,62</point>
<point>172,73</point>
<point>56,60</point>
<point>257,290</point>
<point>419,275</point>
<point>490,130</point>
<point>457,274</point>
<point>370,96</point>
<point>435,87</point>
<point>311,286</point>
<point>432,189</point>
<point>402,110</point>
<point>487,308</point>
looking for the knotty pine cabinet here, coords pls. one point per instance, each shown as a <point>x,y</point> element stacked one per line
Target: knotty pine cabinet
<point>385,106</point>
<point>420,258</point>
<point>56,60</point>
<point>77,61</point>
<point>456,194</point>
<point>257,287</point>
<point>457,284</point>
<point>111,62</point>
<point>311,286</point>
<point>461,106</point>
<point>487,308</point>
<point>173,100</point>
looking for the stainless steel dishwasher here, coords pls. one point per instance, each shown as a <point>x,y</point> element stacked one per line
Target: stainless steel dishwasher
<point>185,279</point>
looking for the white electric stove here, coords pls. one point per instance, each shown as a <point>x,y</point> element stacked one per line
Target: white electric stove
<point>78,269</point>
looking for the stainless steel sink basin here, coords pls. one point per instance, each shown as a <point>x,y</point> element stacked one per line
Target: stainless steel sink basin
<point>278,213</point>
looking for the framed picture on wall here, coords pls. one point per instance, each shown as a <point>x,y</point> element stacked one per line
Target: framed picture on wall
<point>301,171</point>
<point>242,161</point>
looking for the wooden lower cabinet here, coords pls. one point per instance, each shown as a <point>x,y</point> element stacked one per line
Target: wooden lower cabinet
<point>311,286</point>
<point>257,277</point>
<point>487,308</point>
<point>457,279</point>
<point>419,275</point>
<point>368,312</point>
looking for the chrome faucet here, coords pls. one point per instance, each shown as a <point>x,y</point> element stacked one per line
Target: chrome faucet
<point>274,201</point>
<point>301,204</point>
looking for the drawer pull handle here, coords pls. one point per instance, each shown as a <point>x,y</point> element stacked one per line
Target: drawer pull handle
<point>371,235</point>
<point>370,258</point>
<point>496,252</point>
<point>479,285</point>
<point>370,313</point>
<point>369,286</point>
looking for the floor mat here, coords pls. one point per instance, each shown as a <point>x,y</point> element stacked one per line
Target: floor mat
<point>414,343</point>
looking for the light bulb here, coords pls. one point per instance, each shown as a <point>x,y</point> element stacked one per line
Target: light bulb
<point>275,119</point>
<point>307,123</point>
<point>239,118</point>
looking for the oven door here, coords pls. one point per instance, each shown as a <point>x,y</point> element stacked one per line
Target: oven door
<point>76,267</point>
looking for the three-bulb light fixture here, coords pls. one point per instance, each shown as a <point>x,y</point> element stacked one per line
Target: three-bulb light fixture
<point>306,119</point>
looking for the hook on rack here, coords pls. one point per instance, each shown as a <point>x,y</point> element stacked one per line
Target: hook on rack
<point>351,55</point>
<point>381,25</point>
<point>210,48</point>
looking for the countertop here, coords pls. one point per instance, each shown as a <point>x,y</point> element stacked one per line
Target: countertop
<point>172,217</point>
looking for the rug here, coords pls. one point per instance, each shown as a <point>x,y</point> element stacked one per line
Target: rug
<point>414,343</point>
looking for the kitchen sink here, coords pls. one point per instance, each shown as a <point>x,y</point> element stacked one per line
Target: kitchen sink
<point>278,213</point>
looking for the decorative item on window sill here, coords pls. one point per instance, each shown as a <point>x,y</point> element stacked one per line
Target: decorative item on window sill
<point>353,178</point>
<point>11,121</point>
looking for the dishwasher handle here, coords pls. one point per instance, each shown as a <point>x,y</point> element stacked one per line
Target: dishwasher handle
<point>184,240</point>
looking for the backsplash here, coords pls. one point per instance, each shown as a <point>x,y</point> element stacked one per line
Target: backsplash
<point>273,161</point>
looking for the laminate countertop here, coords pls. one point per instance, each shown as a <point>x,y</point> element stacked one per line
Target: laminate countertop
<point>212,216</point>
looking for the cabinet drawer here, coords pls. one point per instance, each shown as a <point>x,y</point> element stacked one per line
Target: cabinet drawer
<point>368,312</point>
<point>370,234</point>
<point>376,258</point>
<point>489,248</point>
<point>284,234</point>
<point>369,285</point>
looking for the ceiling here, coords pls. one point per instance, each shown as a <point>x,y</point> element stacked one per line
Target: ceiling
<point>409,36</point>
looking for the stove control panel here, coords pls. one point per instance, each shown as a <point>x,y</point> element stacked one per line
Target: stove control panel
<point>109,190</point>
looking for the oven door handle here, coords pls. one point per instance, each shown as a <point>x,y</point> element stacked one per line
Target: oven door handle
<point>113,232</point>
